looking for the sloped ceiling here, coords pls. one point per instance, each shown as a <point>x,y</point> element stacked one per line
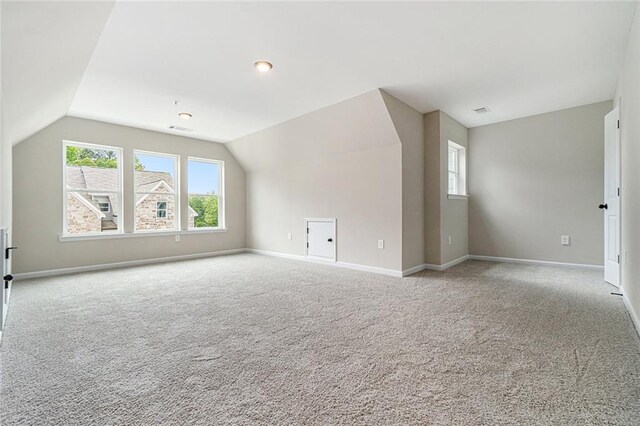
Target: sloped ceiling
<point>517,58</point>
<point>46,47</point>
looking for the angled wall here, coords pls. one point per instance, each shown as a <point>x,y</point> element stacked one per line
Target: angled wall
<point>343,161</point>
<point>410,128</point>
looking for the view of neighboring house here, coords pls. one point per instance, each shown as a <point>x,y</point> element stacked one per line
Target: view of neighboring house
<point>97,209</point>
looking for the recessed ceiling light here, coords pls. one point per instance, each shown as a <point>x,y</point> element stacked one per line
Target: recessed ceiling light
<point>263,66</point>
<point>185,115</point>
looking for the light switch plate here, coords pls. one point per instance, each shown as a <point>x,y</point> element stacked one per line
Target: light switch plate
<point>565,240</point>
<point>289,236</point>
<point>381,244</point>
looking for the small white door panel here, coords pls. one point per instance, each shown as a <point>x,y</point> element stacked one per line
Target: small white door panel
<point>321,238</point>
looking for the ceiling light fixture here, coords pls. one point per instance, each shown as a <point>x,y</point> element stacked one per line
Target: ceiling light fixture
<point>185,115</point>
<point>263,66</point>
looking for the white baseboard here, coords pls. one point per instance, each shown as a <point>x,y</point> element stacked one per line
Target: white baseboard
<point>534,262</point>
<point>433,267</point>
<point>356,266</point>
<point>632,312</point>
<point>104,266</point>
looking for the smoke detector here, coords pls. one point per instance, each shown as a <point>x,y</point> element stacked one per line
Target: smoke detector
<point>180,129</point>
<point>481,110</point>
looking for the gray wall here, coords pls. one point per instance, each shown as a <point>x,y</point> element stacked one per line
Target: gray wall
<point>454,217</point>
<point>444,217</point>
<point>535,179</point>
<point>628,99</point>
<point>343,161</point>
<point>38,199</point>
<point>410,128</point>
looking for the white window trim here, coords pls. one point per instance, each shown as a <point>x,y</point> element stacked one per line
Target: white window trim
<point>221,196</point>
<point>66,191</point>
<point>175,193</point>
<point>139,234</point>
<point>460,173</point>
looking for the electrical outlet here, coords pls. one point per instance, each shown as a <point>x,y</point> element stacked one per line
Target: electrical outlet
<point>381,244</point>
<point>289,236</point>
<point>450,240</point>
<point>177,238</point>
<point>565,240</point>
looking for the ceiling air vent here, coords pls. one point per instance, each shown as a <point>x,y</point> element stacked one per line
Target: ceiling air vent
<point>180,129</point>
<point>481,110</point>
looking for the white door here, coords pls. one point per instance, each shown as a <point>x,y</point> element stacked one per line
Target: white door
<point>611,205</point>
<point>321,238</point>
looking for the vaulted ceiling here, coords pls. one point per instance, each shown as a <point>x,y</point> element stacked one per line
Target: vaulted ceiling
<point>127,63</point>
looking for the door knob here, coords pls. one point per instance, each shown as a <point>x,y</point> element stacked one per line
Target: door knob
<point>603,206</point>
<point>330,240</point>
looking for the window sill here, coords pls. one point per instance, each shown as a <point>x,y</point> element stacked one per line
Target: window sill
<point>68,238</point>
<point>457,197</point>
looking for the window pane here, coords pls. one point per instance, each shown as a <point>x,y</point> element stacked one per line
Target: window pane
<point>154,173</point>
<point>85,215</point>
<point>203,177</point>
<point>203,211</point>
<point>205,194</point>
<point>452,183</point>
<point>92,178</point>
<point>155,212</point>
<point>155,184</point>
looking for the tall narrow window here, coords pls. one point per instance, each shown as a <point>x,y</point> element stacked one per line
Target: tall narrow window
<point>206,197</point>
<point>155,181</point>
<point>457,184</point>
<point>92,189</point>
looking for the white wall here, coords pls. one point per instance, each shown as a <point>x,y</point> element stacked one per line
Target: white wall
<point>5,156</point>
<point>536,178</point>
<point>410,128</point>
<point>38,199</point>
<point>627,97</point>
<point>343,161</point>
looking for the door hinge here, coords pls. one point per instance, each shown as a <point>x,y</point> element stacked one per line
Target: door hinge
<point>618,124</point>
<point>618,192</point>
<point>618,258</point>
<point>307,245</point>
<point>307,230</point>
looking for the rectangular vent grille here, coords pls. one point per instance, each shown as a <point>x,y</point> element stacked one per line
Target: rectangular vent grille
<point>180,129</point>
<point>481,110</point>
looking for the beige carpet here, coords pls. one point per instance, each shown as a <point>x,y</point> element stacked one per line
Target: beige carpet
<point>248,339</point>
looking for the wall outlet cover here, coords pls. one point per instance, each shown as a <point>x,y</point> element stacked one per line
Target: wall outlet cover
<point>565,240</point>
<point>289,236</point>
<point>381,244</point>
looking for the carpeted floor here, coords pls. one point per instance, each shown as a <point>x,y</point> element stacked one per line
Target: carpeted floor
<point>247,339</point>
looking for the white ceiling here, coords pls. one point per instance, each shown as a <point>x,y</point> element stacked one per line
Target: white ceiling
<point>46,47</point>
<point>516,58</point>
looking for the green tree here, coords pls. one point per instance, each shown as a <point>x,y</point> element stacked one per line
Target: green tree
<point>207,209</point>
<point>101,158</point>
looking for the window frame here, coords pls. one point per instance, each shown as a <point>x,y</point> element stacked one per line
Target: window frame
<point>175,193</point>
<point>66,191</point>
<point>221,196</point>
<point>460,169</point>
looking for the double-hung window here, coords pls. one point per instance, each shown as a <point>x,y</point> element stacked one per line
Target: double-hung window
<point>156,186</point>
<point>92,182</point>
<point>205,181</point>
<point>457,184</point>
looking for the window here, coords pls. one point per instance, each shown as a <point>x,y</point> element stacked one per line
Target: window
<point>161,209</point>
<point>155,181</point>
<point>92,182</point>
<point>457,169</point>
<point>206,197</point>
